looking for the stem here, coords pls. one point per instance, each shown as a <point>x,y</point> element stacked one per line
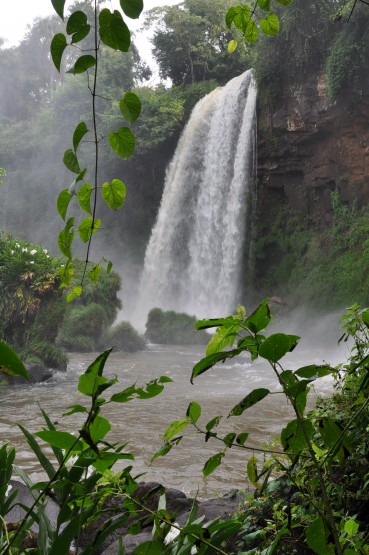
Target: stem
<point>54,478</point>
<point>96,142</point>
<point>41,495</point>
<point>327,506</point>
<point>5,528</point>
<point>174,525</point>
<point>331,450</point>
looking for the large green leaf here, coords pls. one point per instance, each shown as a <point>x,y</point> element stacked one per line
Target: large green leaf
<point>252,471</point>
<point>270,25</point>
<point>57,47</point>
<point>314,371</point>
<point>213,423</point>
<point>259,319</point>
<point>113,31</point>
<point>151,547</point>
<point>251,344</point>
<point>251,32</point>
<point>294,437</point>
<point>224,337</point>
<point>63,201</point>
<point>99,428</point>
<point>122,142</point>
<point>77,26</point>
<point>215,322</point>
<point>204,364</point>
<point>334,439</point>
<point>130,106</point>
<point>250,400</point>
<point>76,292</point>
<point>83,63</point>
<point>132,8</point>
<point>193,412</point>
<point>277,345</point>
<point>91,385</point>
<point>74,409</point>
<point>175,428</point>
<point>59,7</point>
<point>71,161</point>
<point>231,14</point>
<point>88,227</point>
<point>65,238</point>
<point>232,45</point>
<point>284,2</point>
<point>84,197</point>
<point>79,132</point>
<point>43,459</point>
<point>212,463</point>
<point>95,370</point>
<point>242,438</point>
<point>10,363</point>
<point>114,193</point>
<point>228,440</point>
<point>62,440</point>
<point>264,4</point>
<point>95,273</point>
<point>317,536</point>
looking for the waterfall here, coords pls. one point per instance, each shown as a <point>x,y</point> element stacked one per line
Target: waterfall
<point>195,254</point>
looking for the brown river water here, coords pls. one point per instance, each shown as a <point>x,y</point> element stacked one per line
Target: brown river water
<point>141,422</point>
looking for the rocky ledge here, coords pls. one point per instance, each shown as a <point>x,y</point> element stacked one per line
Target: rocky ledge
<point>177,504</point>
<point>37,374</point>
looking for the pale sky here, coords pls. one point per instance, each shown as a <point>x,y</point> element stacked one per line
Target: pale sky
<point>15,15</point>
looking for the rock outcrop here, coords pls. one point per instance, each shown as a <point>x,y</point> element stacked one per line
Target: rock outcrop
<point>37,374</point>
<point>309,146</point>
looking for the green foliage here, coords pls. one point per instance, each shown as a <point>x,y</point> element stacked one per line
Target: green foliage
<point>169,327</point>
<point>88,319</point>
<point>2,174</point>
<point>307,30</point>
<point>325,269</point>
<point>348,57</point>
<point>108,29</point>
<point>190,42</point>
<point>31,303</point>
<point>306,497</point>
<point>83,321</point>
<point>243,17</point>
<point>123,337</point>
<point>79,476</point>
<point>10,363</point>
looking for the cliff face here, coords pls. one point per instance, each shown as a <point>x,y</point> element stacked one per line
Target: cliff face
<point>309,146</point>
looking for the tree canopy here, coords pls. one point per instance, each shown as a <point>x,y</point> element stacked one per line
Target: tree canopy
<point>190,42</point>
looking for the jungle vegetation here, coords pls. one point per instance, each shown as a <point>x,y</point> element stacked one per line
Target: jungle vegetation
<point>311,490</point>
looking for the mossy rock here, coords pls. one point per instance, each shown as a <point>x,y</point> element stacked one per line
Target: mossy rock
<point>123,337</point>
<point>173,328</point>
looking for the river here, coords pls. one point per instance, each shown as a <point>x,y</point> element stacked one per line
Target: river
<point>141,422</point>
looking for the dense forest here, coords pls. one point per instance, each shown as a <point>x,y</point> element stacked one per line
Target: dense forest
<point>309,486</point>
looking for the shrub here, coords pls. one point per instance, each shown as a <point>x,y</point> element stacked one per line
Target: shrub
<point>123,337</point>
<point>31,302</point>
<point>83,327</point>
<point>173,328</point>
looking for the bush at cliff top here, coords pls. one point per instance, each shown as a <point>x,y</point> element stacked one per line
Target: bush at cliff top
<point>31,303</point>
<point>173,328</point>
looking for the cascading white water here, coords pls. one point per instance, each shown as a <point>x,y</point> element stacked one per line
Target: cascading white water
<point>194,256</point>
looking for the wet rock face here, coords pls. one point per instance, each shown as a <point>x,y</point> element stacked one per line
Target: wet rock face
<point>309,146</point>
<point>37,374</point>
